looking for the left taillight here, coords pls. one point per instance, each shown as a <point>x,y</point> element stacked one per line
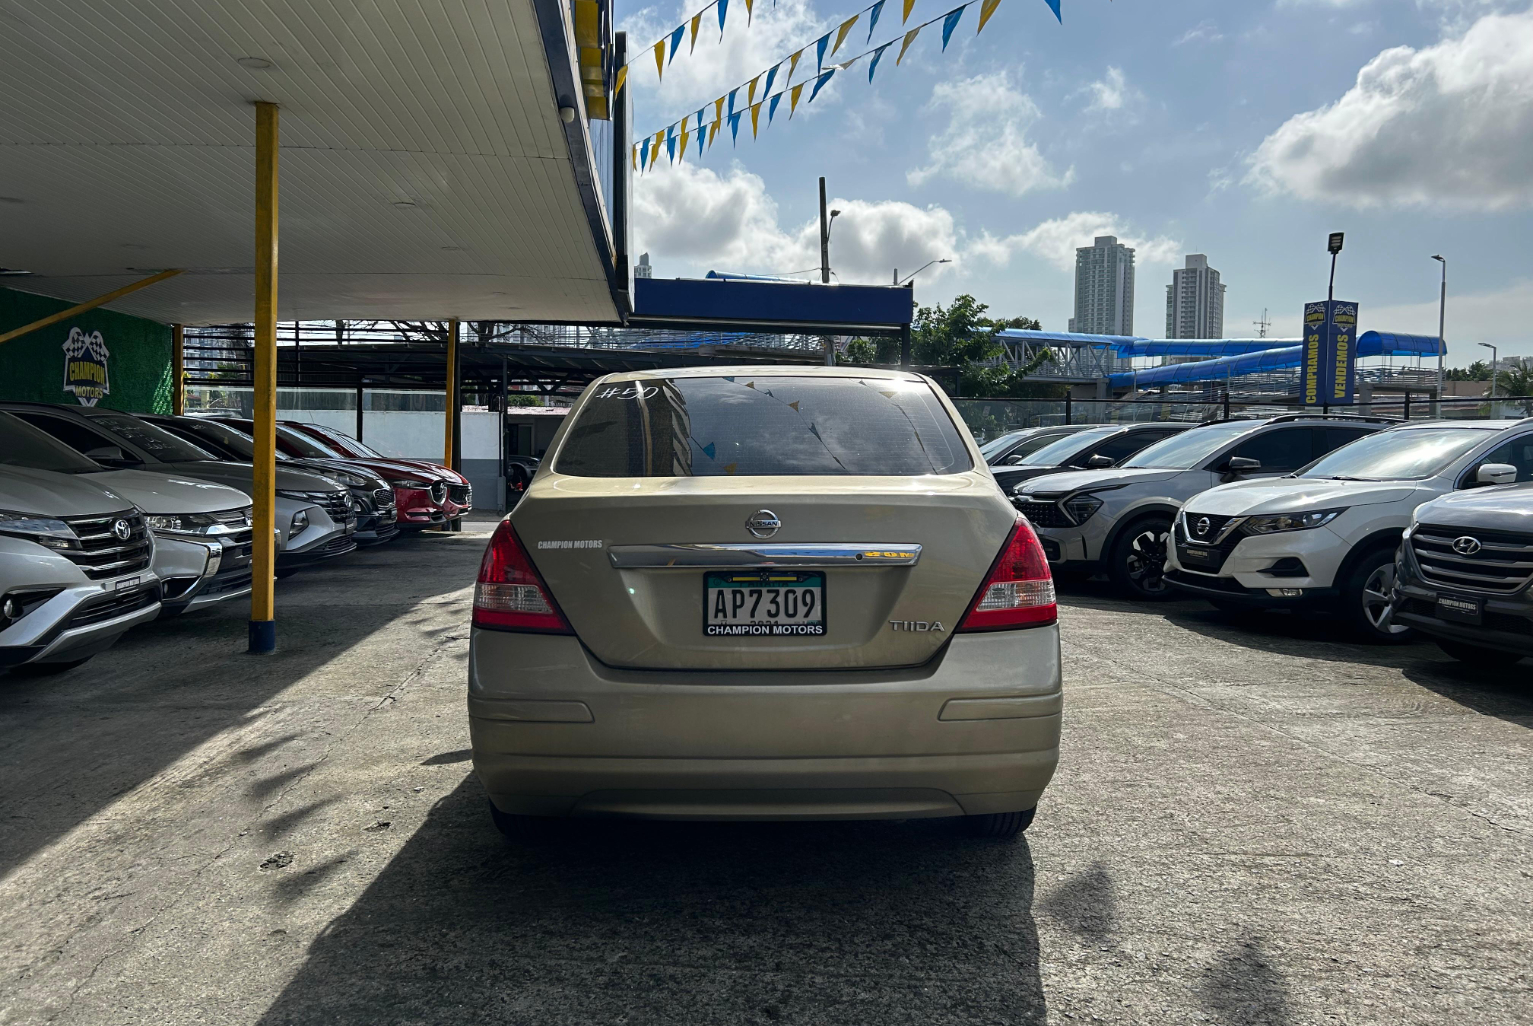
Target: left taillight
<point>510,594</point>
<point>1019,590</point>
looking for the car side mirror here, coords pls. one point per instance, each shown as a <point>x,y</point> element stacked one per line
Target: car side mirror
<point>1496,474</point>
<point>110,454</point>
<point>1099,462</point>
<point>1242,465</point>
<point>1011,461</point>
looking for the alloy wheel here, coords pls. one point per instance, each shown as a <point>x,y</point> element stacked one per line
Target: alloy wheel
<point>1146,562</point>
<point>1377,601</point>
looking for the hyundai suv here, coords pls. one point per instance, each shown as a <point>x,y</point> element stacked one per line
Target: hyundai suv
<point>1327,535</point>
<point>1118,521</point>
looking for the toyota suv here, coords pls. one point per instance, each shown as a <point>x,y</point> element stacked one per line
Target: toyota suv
<point>1118,521</point>
<point>314,517</point>
<point>1465,573</point>
<point>1327,535</point>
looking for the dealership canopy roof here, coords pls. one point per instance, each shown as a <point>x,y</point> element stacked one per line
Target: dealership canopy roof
<point>425,170</point>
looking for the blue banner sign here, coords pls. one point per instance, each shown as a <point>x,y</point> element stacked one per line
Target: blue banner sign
<point>1328,371</point>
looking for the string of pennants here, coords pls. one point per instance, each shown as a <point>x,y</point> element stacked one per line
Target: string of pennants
<point>676,136</point>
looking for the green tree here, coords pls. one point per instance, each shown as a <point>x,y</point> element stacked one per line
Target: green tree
<point>1517,381</point>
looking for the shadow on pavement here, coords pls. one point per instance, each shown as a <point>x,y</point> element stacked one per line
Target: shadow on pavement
<point>1505,692</point>
<point>71,744</point>
<point>611,921</point>
<point>1244,987</point>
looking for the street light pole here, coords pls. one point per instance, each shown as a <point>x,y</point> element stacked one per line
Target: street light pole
<point>1442,315</point>
<point>912,274</point>
<point>825,222</point>
<point>1492,349</point>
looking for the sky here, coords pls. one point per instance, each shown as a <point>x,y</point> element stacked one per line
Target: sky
<point>1245,131</point>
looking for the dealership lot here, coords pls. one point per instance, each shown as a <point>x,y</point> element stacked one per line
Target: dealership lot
<point>1253,821</point>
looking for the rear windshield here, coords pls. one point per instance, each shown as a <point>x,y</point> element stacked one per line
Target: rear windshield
<point>754,426</point>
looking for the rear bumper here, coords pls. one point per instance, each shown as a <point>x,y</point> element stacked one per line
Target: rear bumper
<point>555,732</point>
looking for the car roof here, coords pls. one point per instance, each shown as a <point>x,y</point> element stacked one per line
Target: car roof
<point>779,370</point>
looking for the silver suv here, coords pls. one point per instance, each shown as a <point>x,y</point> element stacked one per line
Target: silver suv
<point>1118,521</point>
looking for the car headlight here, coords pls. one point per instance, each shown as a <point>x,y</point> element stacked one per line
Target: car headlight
<point>1081,507</point>
<point>410,482</point>
<point>1278,522</point>
<point>47,531</point>
<point>181,523</point>
<point>288,493</point>
<point>348,479</point>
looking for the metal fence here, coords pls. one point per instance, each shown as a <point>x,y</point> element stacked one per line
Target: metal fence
<point>990,417</point>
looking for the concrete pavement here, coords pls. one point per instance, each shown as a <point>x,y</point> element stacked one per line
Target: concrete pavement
<point>1251,824</point>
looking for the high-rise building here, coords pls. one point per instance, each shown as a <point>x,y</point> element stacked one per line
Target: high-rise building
<point>642,269</point>
<point>1195,301</point>
<point>1104,288</point>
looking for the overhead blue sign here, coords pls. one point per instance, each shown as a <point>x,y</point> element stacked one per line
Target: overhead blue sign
<point>1329,362</point>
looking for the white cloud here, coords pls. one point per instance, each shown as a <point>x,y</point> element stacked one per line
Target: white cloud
<point>1110,92</point>
<point>1448,125</point>
<point>1203,32</point>
<point>985,144</point>
<point>1057,240</point>
<point>1499,317</point>
<point>693,215</point>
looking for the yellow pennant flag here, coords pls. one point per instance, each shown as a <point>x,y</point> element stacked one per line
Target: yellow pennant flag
<point>654,150</point>
<point>986,9</point>
<point>793,63</point>
<point>748,11</point>
<point>793,98</point>
<point>846,26</point>
<point>697,20</point>
<point>750,91</point>
<point>755,117</point>
<point>636,158</point>
<point>622,76</point>
<point>681,148</point>
<point>718,109</point>
<point>660,58</point>
<point>713,130</point>
<point>910,37</point>
<point>908,5</point>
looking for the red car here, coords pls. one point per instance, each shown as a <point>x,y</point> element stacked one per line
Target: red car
<point>460,494</point>
<point>422,497</point>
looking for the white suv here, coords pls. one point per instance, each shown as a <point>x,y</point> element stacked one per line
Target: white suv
<point>1326,536</point>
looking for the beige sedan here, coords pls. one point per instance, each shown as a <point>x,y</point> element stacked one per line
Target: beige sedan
<point>765,593</point>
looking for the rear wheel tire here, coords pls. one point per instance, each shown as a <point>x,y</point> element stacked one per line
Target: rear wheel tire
<point>1000,825</point>
<point>1137,565</point>
<point>520,828</point>
<point>1366,598</point>
<point>1476,655</point>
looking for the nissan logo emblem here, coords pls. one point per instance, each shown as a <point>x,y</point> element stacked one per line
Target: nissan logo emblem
<point>122,531</point>
<point>1203,525</point>
<point>763,523</point>
<point>1466,546</point>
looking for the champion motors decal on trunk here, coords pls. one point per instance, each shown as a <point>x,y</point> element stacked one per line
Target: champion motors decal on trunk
<point>577,543</point>
<point>85,359</point>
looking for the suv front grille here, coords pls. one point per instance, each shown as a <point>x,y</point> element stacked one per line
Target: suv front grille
<point>462,494</point>
<point>383,498</point>
<point>109,607</point>
<point>1208,535</point>
<point>1204,558</point>
<point>1502,566</point>
<point>1043,514</point>
<point>101,553</point>
<point>337,505</point>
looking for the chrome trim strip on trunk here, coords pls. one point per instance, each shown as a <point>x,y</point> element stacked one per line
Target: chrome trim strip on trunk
<point>758,555</point>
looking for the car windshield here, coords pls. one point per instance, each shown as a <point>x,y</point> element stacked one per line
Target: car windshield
<point>337,438</point>
<point>1188,449</point>
<point>239,445</point>
<point>1056,452</point>
<point>307,447</point>
<point>995,445</point>
<point>1410,454</point>
<point>153,439</point>
<point>752,425</point>
<point>22,445</point>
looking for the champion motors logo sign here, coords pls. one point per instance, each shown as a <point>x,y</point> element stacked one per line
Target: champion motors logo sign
<point>85,359</point>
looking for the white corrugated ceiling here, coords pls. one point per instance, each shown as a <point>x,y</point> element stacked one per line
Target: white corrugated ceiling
<point>424,170</point>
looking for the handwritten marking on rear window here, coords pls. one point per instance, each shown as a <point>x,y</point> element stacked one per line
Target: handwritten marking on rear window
<point>577,543</point>
<point>631,392</point>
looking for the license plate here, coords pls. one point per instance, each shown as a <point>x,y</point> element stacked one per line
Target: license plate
<point>127,583</point>
<point>776,604</point>
<point>1460,608</point>
<point>1191,555</point>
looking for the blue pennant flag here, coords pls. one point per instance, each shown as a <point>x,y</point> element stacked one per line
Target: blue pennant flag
<point>732,100</point>
<point>819,56</point>
<point>675,42</point>
<point>723,7</point>
<point>873,64</point>
<point>670,142</point>
<point>949,23</point>
<point>819,84</point>
<point>643,155</point>
<point>773,108</point>
<point>734,127</point>
<point>878,9</point>
<point>702,134</point>
<point>1053,6</point>
<point>708,450</point>
<point>767,89</point>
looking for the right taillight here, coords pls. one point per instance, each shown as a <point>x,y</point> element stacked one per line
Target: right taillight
<point>510,594</point>
<point>1019,590</point>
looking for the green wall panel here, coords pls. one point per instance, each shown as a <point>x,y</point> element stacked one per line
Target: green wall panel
<point>33,367</point>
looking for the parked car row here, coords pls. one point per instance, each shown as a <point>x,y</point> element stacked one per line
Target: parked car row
<point>1303,511</point>
<point>109,519</point>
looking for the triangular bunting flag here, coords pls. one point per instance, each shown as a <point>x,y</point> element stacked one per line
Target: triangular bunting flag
<point>846,26</point>
<point>654,150</point>
<point>819,52</point>
<point>660,58</point>
<point>873,64</point>
<point>878,9</point>
<point>643,154</point>
<point>908,5</point>
<point>750,91</point>
<point>766,90</point>
<point>713,130</point>
<point>723,6</point>
<point>819,84</point>
<point>844,65</point>
<point>755,118</point>
<point>622,76</point>
<point>793,99</point>
<point>949,23</point>
<point>793,64</point>
<point>986,9</point>
<point>748,11</point>
<point>732,100</point>
<point>676,41</point>
<point>670,142</point>
<point>700,133</point>
<point>772,107</point>
<point>635,158</point>
<point>685,135</point>
<point>697,19</point>
<point>1054,6</point>
<point>734,127</point>
<point>910,37</point>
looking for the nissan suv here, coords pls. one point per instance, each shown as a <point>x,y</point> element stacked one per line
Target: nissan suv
<point>1118,521</point>
<point>1326,536</point>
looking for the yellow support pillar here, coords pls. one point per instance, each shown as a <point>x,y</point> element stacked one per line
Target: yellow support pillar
<point>263,610</point>
<point>177,370</point>
<point>452,392</point>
